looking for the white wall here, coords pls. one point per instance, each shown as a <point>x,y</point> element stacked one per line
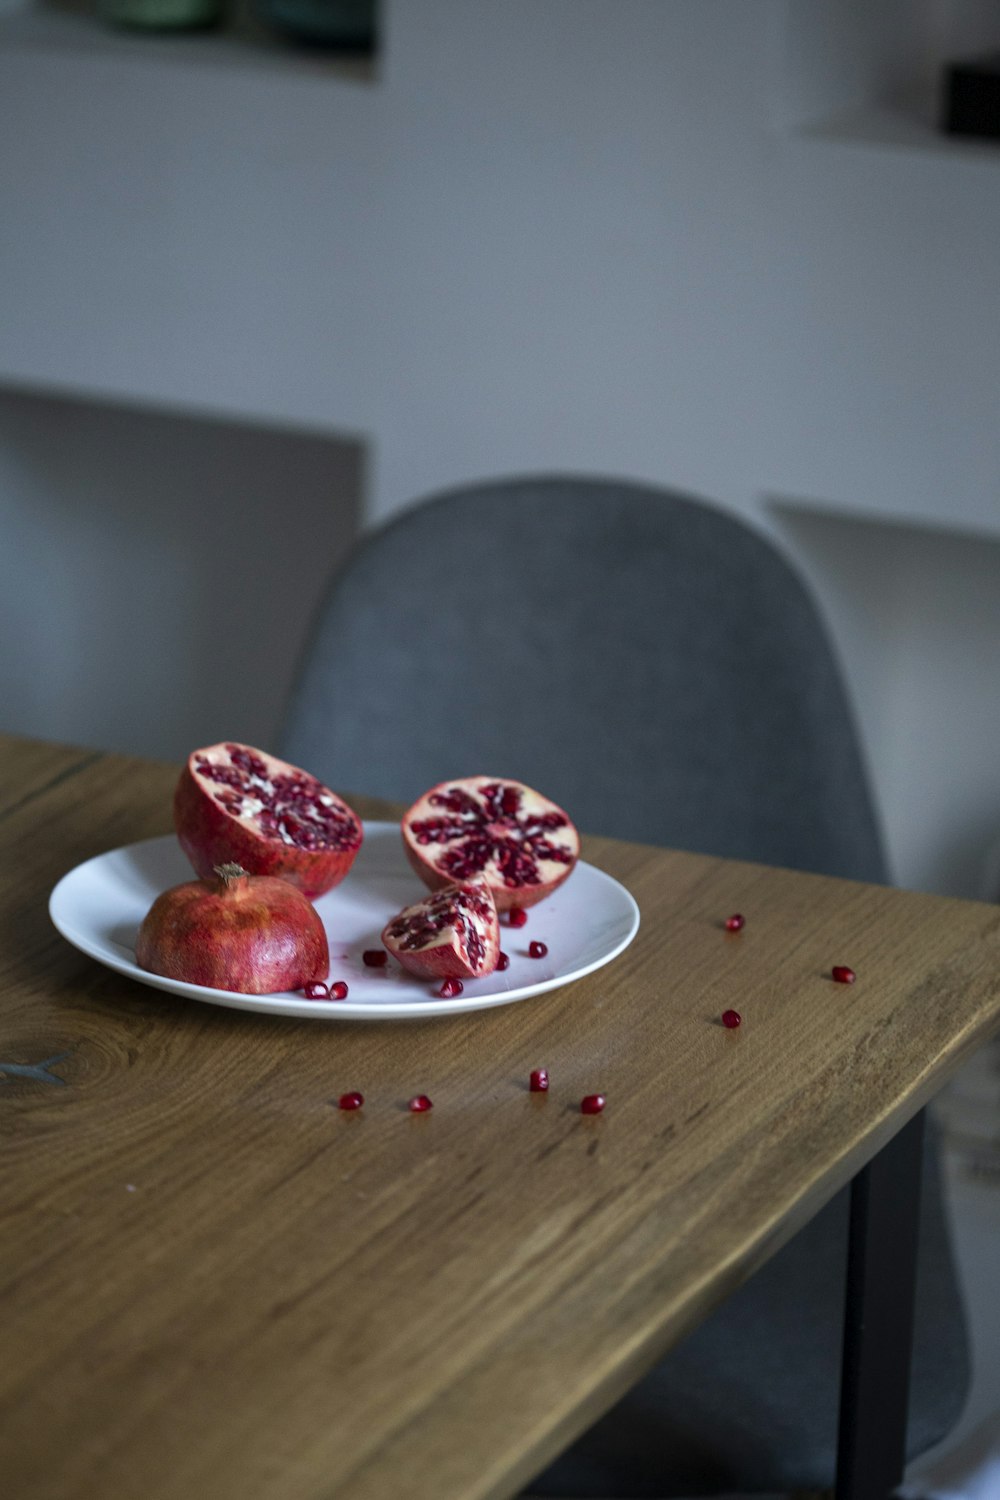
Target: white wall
<point>630,236</point>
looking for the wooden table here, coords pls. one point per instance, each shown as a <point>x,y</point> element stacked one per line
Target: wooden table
<point>217,1286</point>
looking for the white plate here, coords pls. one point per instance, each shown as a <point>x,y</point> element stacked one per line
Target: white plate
<point>585,924</point>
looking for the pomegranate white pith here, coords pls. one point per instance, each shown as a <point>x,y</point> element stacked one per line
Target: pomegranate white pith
<point>235,803</point>
<point>520,842</point>
<point>452,934</point>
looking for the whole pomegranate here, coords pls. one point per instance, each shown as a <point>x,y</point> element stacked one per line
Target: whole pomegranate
<point>523,845</point>
<point>251,933</point>
<point>453,934</point>
<point>234,803</point>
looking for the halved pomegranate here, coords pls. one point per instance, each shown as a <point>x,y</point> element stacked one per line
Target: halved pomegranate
<point>453,934</point>
<point>249,933</point>
<point>235,803</point>
<point>522,844</point>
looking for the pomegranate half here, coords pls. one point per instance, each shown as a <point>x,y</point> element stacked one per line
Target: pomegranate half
<point>237,804</point>
<point>251,933</point>
<point>452,934</point>
<point>523,845</point>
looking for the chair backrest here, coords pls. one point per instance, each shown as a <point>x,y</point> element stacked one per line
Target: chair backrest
<point>647,660</point>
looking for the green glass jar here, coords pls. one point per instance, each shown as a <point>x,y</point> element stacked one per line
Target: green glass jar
<point>162,15</point>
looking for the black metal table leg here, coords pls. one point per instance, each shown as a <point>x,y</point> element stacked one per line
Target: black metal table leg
<point>878,1319</point>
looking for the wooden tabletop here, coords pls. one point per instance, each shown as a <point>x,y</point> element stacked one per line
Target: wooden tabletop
<point>218,1286</point>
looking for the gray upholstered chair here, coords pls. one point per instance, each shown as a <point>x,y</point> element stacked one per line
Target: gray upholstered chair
<point>654,665</point>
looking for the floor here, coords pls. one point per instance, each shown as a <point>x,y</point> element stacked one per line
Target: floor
<point>967,1465</point>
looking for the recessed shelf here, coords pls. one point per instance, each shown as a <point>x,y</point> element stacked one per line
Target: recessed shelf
<point>875,75</point>
<point>73,27</point>
<point>909,126</point>
<point>914,607</point>
<point>946,527</point>
<point>158,571</point>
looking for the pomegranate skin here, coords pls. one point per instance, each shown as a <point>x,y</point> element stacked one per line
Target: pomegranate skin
<point>521,843</point>
<point>452,934</point>
<point>235,804</point>
<point>254,934</point>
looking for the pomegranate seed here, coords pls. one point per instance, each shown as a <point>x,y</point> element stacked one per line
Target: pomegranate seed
<point>517,916</point>
<point>419,1104</point>
<point>539,1081</point>
<point>353,1100</point>
<point>503,962</point>
<point>338,991</point>
<point>842,974</point>
<point>375,958</point>
<point>451,988</point>
<point>316,991</point>
<point>731,1019</point>
<point>537,950</point>
<point>736,922</point>
<point>592,1104</point>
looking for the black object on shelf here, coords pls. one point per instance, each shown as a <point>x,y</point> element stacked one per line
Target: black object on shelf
<point>337,25</point>
<point>972,98</point>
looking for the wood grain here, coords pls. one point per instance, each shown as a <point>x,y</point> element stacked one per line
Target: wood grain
<point>29,767</point>
<point>215,1284</point>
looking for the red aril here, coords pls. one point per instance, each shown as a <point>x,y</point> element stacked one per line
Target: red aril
<point>249,933</point>
<point>522,844</point>
<point>452,934</point>
<point>234,803</point>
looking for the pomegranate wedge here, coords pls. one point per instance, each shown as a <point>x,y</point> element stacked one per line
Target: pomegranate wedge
<point>522,844</point>
<point>235,803</point>
<point>453,934</point>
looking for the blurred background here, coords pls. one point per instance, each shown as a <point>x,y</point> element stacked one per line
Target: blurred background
<point>257,295</point>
